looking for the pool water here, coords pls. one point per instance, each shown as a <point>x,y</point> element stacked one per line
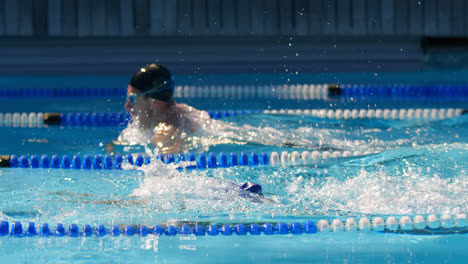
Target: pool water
<point>406,168</point>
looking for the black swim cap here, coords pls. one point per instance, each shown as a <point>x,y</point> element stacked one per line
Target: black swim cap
<point>252,187</point>
<point>154,77</point>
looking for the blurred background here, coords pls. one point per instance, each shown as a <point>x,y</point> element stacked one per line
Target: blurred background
<point>299,40</point>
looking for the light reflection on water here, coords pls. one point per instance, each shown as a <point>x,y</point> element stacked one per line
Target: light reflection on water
<point>420,169</point>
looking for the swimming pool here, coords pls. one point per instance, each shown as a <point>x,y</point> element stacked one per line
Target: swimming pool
<point>358,168</point>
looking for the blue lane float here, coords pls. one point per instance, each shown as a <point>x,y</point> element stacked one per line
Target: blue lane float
<point>65,119</point>
<point>433,223</point>
<point>88,119</point>
<point>189,161</point>
<point>439,92</point>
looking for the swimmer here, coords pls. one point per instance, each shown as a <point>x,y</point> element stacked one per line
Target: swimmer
<point>151,105</point>
<point>248,190</point>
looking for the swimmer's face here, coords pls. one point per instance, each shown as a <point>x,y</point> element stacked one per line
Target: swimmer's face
<point>148,110</point>
<point>141,106</point>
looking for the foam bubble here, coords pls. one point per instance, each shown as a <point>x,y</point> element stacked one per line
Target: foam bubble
<point>381,193</point>
<point>135,134</point>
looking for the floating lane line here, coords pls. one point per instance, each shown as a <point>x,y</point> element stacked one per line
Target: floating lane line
<point>38,119</point>
<point>409,113</point>
<point>405,224</point>
<point>189,161</point>
<point>302,91</point>
<point>416,92</point>
<point>280,91</point>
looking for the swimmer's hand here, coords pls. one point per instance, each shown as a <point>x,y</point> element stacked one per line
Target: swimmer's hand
<point>109,147</point>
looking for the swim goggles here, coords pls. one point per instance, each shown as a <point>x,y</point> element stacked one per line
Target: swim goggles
<point>133,97</point>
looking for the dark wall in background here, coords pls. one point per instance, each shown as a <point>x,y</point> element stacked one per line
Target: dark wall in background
<point>59,37</point>
<point>90,18</point>
<point>195,55</point>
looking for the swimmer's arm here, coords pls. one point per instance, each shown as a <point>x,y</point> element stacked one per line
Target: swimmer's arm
<point>110,147</point>
<point>167,143</point>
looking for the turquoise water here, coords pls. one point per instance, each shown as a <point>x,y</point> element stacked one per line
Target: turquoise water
<point>418,167</point>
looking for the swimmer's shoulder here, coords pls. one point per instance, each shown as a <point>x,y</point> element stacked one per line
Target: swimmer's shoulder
<point>188,110</point>
<point>192,119</point>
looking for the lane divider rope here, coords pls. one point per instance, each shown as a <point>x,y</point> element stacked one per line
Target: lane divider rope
<point>438,92</point>
<point>445,223</point>
<point>189,161</point>
<point>410,113</point>
<point>281,91</point>
<point>121,119</point>
<point>89,119</point>
<point>65,119</point>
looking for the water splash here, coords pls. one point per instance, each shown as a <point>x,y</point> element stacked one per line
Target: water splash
<point>380,193</point>
<point>416,173</point>
<point>306,135</point>
<point>167,190</point>
<point>134,134</point>
<point>423,180</point>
